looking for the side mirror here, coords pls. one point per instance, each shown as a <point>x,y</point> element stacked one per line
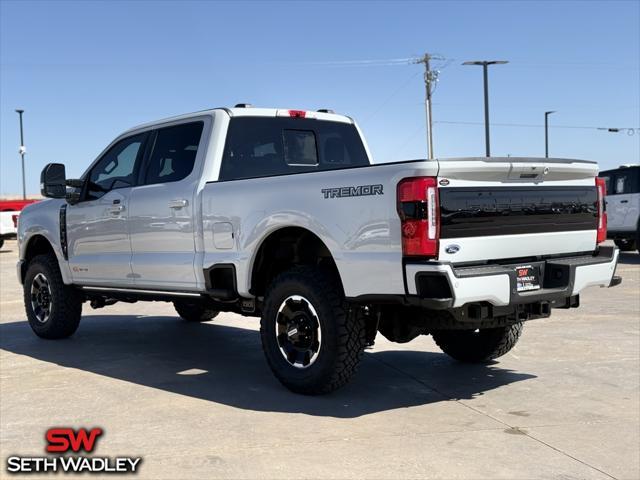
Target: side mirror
<point>53,182</point>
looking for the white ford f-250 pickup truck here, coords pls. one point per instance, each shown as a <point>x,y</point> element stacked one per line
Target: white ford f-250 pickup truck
<point>280,214</point>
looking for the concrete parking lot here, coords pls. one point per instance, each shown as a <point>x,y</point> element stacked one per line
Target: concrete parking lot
<point>198,401</point>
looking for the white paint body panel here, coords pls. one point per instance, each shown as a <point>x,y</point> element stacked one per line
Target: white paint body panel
<point>162,232</point>
<point>42,219</point>
<point>362,233</point>
<point>514,246</point>
<point>491,288</point>
<point>98,240</point>
<point>623,212</point>
<point>598,275</point>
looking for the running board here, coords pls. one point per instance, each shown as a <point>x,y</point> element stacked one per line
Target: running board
<point>135,291</point>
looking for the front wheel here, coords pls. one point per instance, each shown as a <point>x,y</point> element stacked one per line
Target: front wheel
<point>53,308</point>
<point>311,338</point>
<point>479,345</point>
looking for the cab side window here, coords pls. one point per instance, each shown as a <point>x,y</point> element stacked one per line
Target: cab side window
<point>627,181</point>
<point>116,168</point>
<point>173,153</point>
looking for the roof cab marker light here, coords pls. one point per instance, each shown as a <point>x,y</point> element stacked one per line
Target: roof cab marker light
<point>296,113</point>
<point>602,214</point>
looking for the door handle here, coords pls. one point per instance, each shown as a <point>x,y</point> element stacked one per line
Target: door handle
<point>116,209</point>
<point>624,201</point>
<point>177,204</point>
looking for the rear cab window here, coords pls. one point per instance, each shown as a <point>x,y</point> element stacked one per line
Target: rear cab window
<point>267,146</point>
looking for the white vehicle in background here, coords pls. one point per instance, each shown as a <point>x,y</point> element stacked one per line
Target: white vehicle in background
<point>280,214</point>
<point>8,225</point>
<point>623,206</point>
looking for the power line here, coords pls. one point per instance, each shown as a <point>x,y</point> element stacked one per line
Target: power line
<point>382,104</point>
<point>381,62</point>
<point>531,125</point>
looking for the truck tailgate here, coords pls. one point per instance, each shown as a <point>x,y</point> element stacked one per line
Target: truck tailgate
<point>515,208</point>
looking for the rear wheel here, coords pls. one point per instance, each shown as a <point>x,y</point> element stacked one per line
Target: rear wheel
<point>53,308</point>
<point>625,244</point>
<point>195,312</point>
<point>311,338</point>
<point>480,345</point>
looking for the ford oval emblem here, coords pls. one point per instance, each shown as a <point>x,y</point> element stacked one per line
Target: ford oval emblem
<point>444,182</point>
<point>451,249</point>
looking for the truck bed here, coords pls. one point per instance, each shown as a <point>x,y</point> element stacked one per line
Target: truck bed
<point>490,209</point>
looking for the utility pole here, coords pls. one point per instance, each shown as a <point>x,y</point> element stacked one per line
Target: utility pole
<point>430,79</point>
<point>22,151</point>
<point>485,64</point>
<point>546,132</point>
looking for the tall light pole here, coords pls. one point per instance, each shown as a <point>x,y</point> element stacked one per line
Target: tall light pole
<point>546,132</point>
<point>22,151</point>
<point>485,64</point>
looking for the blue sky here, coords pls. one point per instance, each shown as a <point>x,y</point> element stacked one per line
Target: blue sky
<point>85,71</point>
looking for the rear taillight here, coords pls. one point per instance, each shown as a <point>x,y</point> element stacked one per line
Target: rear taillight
<point>419,216</point>
<point>601,187</point>
<point>15,220</point>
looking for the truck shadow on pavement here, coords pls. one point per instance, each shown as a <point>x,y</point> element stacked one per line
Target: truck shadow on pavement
<point>225,364</point>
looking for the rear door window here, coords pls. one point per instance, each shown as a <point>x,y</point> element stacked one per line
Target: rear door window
<point>625,181</point>
<point>173,153</point>
<point>268,146</point>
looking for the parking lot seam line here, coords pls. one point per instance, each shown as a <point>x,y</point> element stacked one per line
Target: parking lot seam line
<point>425,384</point>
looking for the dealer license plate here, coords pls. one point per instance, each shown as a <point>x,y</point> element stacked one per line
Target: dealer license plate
<point>527,278</point>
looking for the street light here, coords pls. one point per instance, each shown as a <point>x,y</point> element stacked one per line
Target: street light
<point>546,132</point>
<point>22,151</point>
<point>485,64</point>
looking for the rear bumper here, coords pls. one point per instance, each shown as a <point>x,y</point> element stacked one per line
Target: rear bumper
<point>443,286</point>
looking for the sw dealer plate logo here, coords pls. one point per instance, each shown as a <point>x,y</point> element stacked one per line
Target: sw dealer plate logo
<point>65,441</point>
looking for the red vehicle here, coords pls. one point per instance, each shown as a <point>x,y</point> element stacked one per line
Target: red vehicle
<point>14,205</point>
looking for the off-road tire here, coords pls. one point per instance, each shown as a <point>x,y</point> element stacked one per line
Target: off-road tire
<point>625,244</point>
<point>65,305</point>
<point>478,346</point>
<point>342,331</point>
<point>193,312</point>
